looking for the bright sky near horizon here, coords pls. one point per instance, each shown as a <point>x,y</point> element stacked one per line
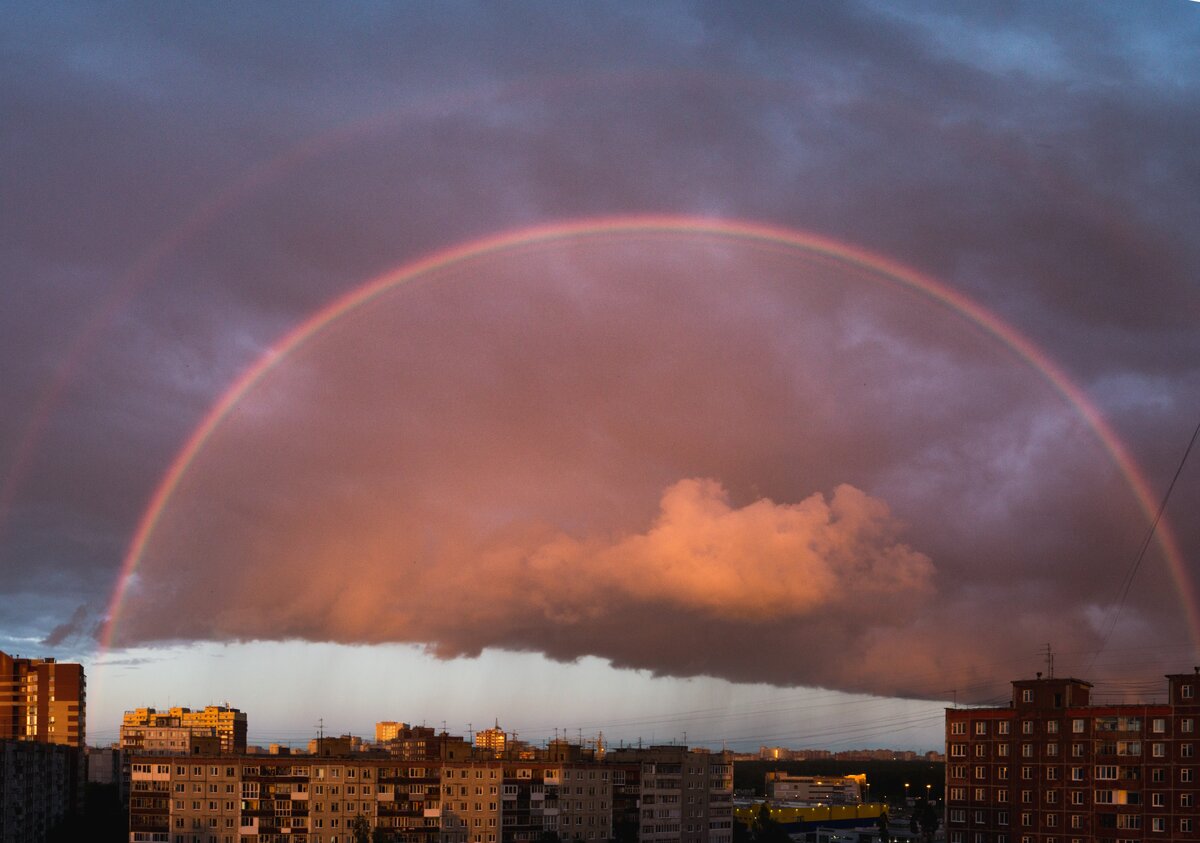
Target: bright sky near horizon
<point>770,375</point>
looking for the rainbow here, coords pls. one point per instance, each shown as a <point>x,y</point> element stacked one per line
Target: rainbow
<point>675,226</point>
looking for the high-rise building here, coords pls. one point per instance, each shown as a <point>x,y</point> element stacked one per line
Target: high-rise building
<point>685,795</point>
<point>42,700</point>
<point>227,723</point>
<point>491,740</point>
<point>39,788</point>
<point>43,716</point>
<point>1052,767</point>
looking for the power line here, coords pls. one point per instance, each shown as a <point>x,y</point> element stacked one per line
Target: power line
<point>1127,583</point>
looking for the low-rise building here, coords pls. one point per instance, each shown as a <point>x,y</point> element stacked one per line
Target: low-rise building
<point>826,790</point>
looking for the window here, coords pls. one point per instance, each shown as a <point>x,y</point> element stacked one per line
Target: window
<point>1185,774</point>
<point>1076,750</point>
<point>958,815</point>
<point>1002,727</point>
<point>958,727</point>
<point>1158,774</point>
<point>1002,795</point>
<point>1158,725</point>
<point>1076,821</point>
<point>1002,818</point>
<point>1158,824</point>
<point>1002,772</point>
<point>1076,774</point>
<point>1158,750</point>
<point>957,794</point>
<point>1185,725</point>
<point>981,750</point>
<point>1104,797</point>
<point>958,750</point>
<point>1077,726</point>
<point>1026,819</point>
<point>981,727</point>
<point>1186,692</point>
<point>1026,796</point>
<point>1026,773</point>
<point>1158,800</point>
<point>1027,695</point>
<point>1052,820</point>
<point>1185,824</point>
<point>1002,750</point>
<point>1052,796</point>
<point>1106,773</point>
<point>1077,797</point>
<point>1185,750</point>
<point>1186,800</point>
<point>1026,750</point>
<point>1052,727</point>
<point>1026,727</point>
<point>981,772</point>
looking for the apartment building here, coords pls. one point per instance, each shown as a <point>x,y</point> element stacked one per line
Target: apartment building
<point>684,795</point>
<point>311,799</point>
<point>42,700</point>
<point>39,788</point>
<point>227,723</point>
<point>1052,767</point>
<point>470,802</point>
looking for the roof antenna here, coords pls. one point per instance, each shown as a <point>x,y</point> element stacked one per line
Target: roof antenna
<point>1049,662</point>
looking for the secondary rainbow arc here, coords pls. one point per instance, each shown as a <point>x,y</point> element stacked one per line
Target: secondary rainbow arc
<point>670,225</point>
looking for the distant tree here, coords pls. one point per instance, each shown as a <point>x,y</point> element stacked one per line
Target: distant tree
<point>767,829</point>
<point>882,822</point>
<point>548,837</point>
<point>361,829</point>
<point>379,835</point>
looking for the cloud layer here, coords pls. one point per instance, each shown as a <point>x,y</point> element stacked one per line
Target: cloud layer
<point>181,188</point>
<point>680,453</point>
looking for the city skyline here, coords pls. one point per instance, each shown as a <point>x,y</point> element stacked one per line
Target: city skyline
<point>787,373</point>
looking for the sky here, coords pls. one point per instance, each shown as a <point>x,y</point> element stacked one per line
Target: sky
<point>700,372</point>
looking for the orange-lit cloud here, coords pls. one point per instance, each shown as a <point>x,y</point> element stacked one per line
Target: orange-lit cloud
<point>682,456</point>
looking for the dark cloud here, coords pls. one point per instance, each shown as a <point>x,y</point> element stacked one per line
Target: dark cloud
<point>72,628</point>
<point>182,185</point>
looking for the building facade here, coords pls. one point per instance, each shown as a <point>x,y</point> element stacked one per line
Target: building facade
<point>826,790</point>
<point>310,799</point>
<point>684,794</point>
<point>42,700</point>
<point>38,788</point>
<point>227,723</point>
<point>1051,767</point>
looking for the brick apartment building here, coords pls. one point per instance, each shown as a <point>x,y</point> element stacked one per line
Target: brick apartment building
<point>42,700</point>
<point>308,799</point>
<point>1051,767</point>
<point>43,719</point>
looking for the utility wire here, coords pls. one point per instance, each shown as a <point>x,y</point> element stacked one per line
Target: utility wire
<point>1137,562</point>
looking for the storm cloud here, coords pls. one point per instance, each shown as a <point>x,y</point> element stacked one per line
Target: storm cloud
<point>696,456</point>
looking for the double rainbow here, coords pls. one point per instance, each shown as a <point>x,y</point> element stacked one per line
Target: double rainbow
<point>875,265</point>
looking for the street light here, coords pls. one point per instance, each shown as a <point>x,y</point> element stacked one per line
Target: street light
<point>906,793</point>
<point>928,788</point>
